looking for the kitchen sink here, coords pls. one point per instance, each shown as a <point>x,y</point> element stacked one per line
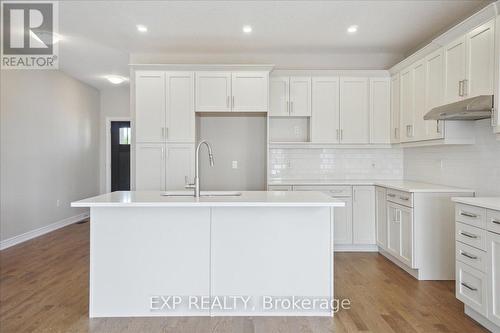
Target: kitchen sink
<point>202,194</point>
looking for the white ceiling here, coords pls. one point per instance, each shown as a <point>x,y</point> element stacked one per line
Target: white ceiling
<point>99,37</point>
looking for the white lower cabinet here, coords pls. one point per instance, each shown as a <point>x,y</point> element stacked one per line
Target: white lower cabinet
<point>493,263</point>
<point>381,216</point>
<point>161,167</point>
<point>363,215</point>
<point>400,236</point>
<point>478,264</point>
<point>342,228</point>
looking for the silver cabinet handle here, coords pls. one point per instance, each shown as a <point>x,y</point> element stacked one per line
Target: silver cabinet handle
<point>391,195</point>
<point>288,107</point>
<point>495,221</point>
<point>227,101</point>
<point>404,198</point>
<point>163,132</point>
<point>468,287</point>
<point>466,234</point>
<point>341,134</point>
<point>438,128</point>
<point>470,256</point>
<point>291,106</point>
<point>460,88</point>
<point>468,214</point>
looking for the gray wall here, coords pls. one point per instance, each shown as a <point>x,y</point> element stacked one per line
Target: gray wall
<point>470,166</point>
<point>49,148</point>
<point>233,138</point>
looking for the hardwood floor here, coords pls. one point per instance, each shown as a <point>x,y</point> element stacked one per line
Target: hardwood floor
<point>44,288</point>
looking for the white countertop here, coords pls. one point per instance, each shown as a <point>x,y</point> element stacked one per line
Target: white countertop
<point>246,199</point>
<point>485,202</point>
<point>401,185</point>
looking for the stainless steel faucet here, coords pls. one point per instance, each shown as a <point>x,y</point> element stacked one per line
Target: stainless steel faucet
<point>196,185</point>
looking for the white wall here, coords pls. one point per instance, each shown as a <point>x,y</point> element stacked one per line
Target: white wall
<point>115,103</point>
<point>233,138</point>
<point>335,163</point>
<point>470,166</point>
<point>49,148</point>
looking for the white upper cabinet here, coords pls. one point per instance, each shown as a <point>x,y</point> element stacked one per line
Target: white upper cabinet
<point>300,96</point>
<point>279,96</point>
<point>213,91</point>
<point>325,110</point>
<point>406,104</point>
<point>179,162</point>
<point>354,113</point>
<point>419,107</point>
<point>249,91</point>
<point>245,91</point>
<point>469,64</point>
<point>395,109</point>
<point>150,167</point>
<point>180,123</point>
<point>290,96</point>
<point>454,70</point>
<point>149,106</point>
<point>480,60</point>
<point>380,111</point>
<point>434,85</point>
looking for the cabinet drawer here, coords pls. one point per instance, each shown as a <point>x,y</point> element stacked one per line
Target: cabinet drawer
<point>471,256</point>
<point>400,197</point>
<point>332,190</point>
<point>493,221</point>
<point>470,235</point>
<point>471,287</point>
<point>471,215</point>
<point>279,187</point>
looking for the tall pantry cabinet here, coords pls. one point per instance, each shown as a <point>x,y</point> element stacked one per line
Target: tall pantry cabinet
<point>164,129</point>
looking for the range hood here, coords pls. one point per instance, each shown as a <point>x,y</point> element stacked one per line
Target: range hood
<point>473,108</point>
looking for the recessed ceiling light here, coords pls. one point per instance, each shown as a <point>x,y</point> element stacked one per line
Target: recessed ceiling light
<point>142,28</point>
<point>116,79</point>
<point>352,29</point>
<point>247,29</point>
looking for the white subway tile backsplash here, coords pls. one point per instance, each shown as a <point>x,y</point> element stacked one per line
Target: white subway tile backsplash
<point>335,163</point>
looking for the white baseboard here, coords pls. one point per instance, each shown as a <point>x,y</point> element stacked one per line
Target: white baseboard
<point>355,248</point>
<point>41,231</point>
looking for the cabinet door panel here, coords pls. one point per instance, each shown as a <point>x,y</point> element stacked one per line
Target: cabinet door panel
<point>342,233</point>
<point>407,105</point>
<point>279,96</point>
<point>434,85</point>
<point>395,109</point>
<point>180,106</point>
<point>179,166</point>
<point>480,60</point>
<point>149,106</point>
<point>380,111</point>
<point>393,229</point>
<point>381,216</point>
<point>249,91</point>
<point>354,113</point>
<point>454,69</point>
<point>300,96</point>
<point>213,91</point>
<point>325,109</point>
<point>150,167</point>
<point>494,277</point>
<point>406,252</point>
<point>419,108</point>
<point>363,215</point>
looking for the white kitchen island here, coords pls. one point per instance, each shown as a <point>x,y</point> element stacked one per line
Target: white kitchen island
<point>259,253</point>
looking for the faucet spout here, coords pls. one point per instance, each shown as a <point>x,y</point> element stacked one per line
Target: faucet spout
<point>197,165</point>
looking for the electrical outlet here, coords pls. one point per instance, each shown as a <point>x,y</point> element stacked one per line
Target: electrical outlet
<point>234,164</point>
<point>296,130</point>
<point>58,203</point>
